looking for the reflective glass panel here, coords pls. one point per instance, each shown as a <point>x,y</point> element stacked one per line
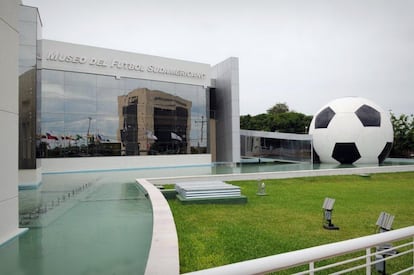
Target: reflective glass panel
<point>27,33</point>
<point>107,101</point>
<point>55,77</point>
<point>80,99</point>
<point>108,82</point>
<point>27,14</point>
<point>98,115</point>
<point>87,81</point>
<point>27,55</point>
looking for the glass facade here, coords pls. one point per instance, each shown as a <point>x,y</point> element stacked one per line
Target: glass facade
<point>96,115</point>
<point>276,148</point>
<point>29,34</point>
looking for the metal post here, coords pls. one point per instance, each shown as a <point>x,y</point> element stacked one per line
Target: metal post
<point>87,135</point>
<point>368,261</point>
<point>311,268</point>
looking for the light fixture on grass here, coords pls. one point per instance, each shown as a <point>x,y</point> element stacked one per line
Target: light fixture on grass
<point>327,214</point>
<point>384,224</point>
<point>261,188</point>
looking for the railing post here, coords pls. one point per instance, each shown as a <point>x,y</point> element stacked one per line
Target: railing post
<point>368,261</point>
<point>311,268</point>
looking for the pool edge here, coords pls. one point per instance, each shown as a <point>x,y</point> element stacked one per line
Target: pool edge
<point>163,256</point>
<point>17,233</point>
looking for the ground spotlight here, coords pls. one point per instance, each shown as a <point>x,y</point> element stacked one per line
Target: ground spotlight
<point>327,214</point>
<point>384,224</point>
<point>261,188</point>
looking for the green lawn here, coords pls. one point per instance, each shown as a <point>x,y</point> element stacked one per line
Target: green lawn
<point>289,217</point>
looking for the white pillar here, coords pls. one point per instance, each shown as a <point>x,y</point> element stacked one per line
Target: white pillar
<point>9,119</point>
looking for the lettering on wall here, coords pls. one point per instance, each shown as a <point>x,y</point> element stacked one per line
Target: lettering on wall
<point>121,65</point>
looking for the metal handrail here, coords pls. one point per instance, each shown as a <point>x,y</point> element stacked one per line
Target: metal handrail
<point>309,255</point>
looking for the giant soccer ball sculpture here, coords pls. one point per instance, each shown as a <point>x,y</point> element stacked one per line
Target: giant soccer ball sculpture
<point>351,130</point>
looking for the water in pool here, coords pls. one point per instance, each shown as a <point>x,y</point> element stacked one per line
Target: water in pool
<point>81,228</point>
<point>100,222</point>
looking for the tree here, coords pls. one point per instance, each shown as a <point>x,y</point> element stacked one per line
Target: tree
<point>403,135</point>
<point>258,122</point>
<point>278,118</point>
<point>290,122</point>
<point>278,108</point>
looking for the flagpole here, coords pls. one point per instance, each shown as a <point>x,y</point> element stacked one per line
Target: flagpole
<point>87,136</point>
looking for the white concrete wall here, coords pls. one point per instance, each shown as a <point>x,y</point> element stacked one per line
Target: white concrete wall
<point>9,118</point>
<point>163,257</point>
<point>88,59</point>
<point>30,178</point>
<point>62,165</point>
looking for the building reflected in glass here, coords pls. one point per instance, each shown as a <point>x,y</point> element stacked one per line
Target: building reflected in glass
<point>276,146</point>
<point>154,122</point>
<point>95,115</point>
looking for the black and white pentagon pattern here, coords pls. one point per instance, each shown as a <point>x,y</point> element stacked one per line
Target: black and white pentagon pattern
<point>324,117</point>
<point>385,152</point>
<point>346,153</point>
<point>368,116</point>
<point>316,158</point>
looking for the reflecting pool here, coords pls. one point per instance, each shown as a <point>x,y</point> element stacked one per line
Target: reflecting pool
<point>80,227</point>
<point>100,222</point>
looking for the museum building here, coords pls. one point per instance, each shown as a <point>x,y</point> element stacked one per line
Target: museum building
<point>79,102</point>
<point>68,108</point>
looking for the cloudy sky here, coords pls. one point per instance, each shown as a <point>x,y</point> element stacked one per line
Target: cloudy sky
<point>301,52</point>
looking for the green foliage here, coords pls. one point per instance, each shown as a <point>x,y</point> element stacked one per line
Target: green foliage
<point>278,118</point>
<point>403,135</point>
<point>289,217</point>
<point>279,108</point>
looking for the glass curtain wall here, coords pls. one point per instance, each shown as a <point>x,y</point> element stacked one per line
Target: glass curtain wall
<point>96,115</point>
<point>276,149</point>
<point>29,34</point>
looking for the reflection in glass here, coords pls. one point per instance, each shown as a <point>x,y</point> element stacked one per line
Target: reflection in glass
<point>80,99</point>
<point>275,148</point>
<point>27,14</point>
<point>28,33</point>
<point>105,101</point>
<point>107,82</point>
<point>154,122</point>
<point>53,77</point>
<point>29,23</point>
<point>85,81</point>
<point>27,56</point>
<point>94,115</point>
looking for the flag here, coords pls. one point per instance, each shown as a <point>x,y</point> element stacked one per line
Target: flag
<point>50,136</point>
<point>175,136</point>
<point>102,138</point>
<point>66,140</point>
<point>150,135</point>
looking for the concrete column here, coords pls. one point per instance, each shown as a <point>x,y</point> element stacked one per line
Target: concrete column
<point>9,118</point>
<point>226,75</point>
